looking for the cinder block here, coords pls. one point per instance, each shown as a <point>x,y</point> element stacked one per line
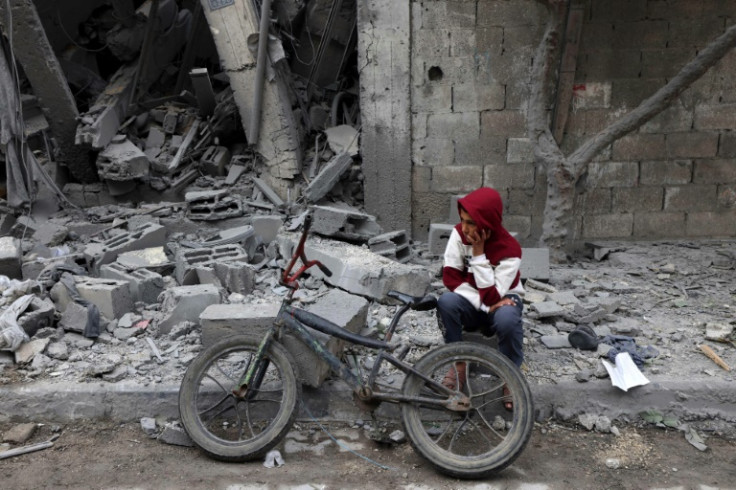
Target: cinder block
<point>520,150</point>
<point>188,260</point>
<point>535,263</point>
<point>362,272</point>
<point>213,205</point>
<point>112,297</point>
<point>711,224</point>
<point>454,125</point>
<point>509,176</point>
<point>636,199</point>
<point>439,234</point>
<point>690,198</point>
<point>666,172</point>
<point>641,146</point>
<point>456,178</point>
<point>146,236</point>
<point>186,303</point>
<point>145,285</point>
<point>692,145</point>
<point>394,245</point>
<point>608,226</point>
<point>612,174</point>
<point>343,309</point>
<point>714,171</point>
<point>10,258</point>
<point>478,97</point>
<point>658,225</point>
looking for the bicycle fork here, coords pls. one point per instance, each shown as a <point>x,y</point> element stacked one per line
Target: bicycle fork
<point>256,369</point>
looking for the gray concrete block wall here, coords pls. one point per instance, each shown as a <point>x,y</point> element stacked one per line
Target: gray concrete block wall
<point>675,177</point>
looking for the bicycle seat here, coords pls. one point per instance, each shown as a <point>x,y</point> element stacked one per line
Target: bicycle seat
<point>419,303</point>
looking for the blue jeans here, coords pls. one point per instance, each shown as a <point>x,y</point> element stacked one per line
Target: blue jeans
<point>456,313</point>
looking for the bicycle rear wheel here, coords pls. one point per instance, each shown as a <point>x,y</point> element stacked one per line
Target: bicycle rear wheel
<point>229,428</point>
<point>485,438</point>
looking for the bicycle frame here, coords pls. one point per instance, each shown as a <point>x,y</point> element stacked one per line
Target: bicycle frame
<point>297,321</point>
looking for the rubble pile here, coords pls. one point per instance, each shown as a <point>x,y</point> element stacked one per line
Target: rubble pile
<point>127,294</point>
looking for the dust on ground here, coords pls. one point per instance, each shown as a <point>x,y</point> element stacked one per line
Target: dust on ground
<point>107,455</point>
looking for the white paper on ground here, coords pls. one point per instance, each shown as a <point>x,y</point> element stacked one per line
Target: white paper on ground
<point>625,374</point>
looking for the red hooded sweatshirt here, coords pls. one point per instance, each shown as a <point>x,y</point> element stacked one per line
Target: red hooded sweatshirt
<point>485,279</point>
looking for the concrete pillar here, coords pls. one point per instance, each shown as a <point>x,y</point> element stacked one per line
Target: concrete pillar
<point>231,25</point>
<point>385,105</point>
<point>34,52</point>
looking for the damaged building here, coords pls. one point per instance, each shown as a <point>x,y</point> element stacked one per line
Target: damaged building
<point>157,158</point>
<point>393,108</point>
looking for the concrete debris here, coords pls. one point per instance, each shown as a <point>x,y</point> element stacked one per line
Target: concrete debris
<point>345,222</point>
<point>394,245</point>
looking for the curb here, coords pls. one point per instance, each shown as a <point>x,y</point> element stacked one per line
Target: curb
<point>130,401</point>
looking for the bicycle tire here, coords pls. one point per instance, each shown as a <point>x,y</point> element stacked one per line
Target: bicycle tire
<point>462,444</point>
<point>231,429</point>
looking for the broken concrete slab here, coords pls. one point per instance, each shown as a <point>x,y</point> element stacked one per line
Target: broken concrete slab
<point>50,234</point>
<point>343,139</point>
<point>75,318</point>
<point>28,350</point>
<point>267,226</point>
<point>120,163</point>
<point>39,314</point>
<point>147,235</point>
<point>327,177</point>
<point>343,221</point>
<point>547,309</point>
<point>153,258</point>
<point>267,191</point>
<point>359,271</point>
<point>10,257</point>
<point>535,263</point>
<point>186,303</point>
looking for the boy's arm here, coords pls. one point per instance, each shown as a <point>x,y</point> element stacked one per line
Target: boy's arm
<point>454,274</point>
<point>494,283</point>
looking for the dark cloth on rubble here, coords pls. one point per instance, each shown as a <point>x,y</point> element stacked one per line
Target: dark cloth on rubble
<point>92,330</point>
<point>622,343</point>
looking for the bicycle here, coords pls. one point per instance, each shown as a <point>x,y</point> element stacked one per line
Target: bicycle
<point>239,397</point>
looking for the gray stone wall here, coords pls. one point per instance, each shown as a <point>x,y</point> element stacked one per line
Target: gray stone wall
<point>673,178</point>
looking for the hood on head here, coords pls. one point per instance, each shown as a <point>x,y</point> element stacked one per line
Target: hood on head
<point>484,205</point>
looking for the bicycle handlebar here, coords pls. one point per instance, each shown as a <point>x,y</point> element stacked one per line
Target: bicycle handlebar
<point>289,281</point>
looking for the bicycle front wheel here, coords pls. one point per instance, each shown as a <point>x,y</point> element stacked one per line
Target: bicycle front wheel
<point>231,428</point>
<point>475,440</point>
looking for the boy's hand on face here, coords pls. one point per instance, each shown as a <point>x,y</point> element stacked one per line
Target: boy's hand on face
<point>477,239</point>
